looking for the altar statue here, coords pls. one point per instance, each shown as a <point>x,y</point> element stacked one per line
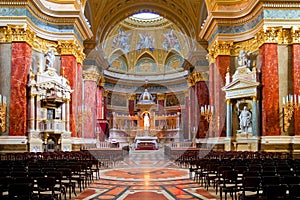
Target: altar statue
<point>146,121</point>
<point>245,120</point>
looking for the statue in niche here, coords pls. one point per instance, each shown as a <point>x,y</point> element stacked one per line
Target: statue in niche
<point>50,57</point>
<point>245,120</point>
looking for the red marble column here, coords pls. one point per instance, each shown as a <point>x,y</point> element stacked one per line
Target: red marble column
<point>161,103</point>
<point>69,65</point>
<point>105,105</point>
<point>192,104</point>
<point>79,96</point>
<point>211,94</point>
<point>186,118</point>
<point>222,62</point>
<point>21,62</point>
<point>131,105</point>
<point>270,90</point>
<point>101,123</point>
<point>296,83</point>
<point>203,99</point>
<point>90,86</point>
<point>100,110</point>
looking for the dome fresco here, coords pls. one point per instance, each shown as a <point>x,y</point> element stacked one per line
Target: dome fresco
<point>155,47</point>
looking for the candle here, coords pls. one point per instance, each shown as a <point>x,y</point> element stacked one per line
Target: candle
<point>283,100</point>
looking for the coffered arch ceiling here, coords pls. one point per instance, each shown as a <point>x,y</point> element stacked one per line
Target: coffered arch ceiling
<point>103,15</point>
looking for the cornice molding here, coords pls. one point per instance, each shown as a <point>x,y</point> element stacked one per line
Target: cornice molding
<point>49,23</point>
<point>244,24</point>
<point>266,35</point>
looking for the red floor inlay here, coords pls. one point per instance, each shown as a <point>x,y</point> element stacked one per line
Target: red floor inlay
<point>145,196</point>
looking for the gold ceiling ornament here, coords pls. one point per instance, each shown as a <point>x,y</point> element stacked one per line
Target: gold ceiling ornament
<point>91,76</point>
<point>70,47</point>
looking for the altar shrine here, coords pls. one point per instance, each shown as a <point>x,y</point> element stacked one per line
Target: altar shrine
<point>145,123</point>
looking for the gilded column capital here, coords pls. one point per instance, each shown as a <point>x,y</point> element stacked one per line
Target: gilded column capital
<point>295,34</point>
<point>200,76</point>
<point>17,33</point>
<point>69,47</point>
<point>219,48</point>
<point>277,35</point>
<point>132,97</point>
<point>90,76</point>
<point>161,96</point>
<point>190,81</point>
<point>106,92</point>
<point>101,81</point>
<point>186,93</point>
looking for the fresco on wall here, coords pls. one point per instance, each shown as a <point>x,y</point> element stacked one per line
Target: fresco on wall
<point>170,41</point>
<point>146,65</point>
<point>146,42</point>
<point>117,63</point>
<point>122,41</point>
<point>174,63</point>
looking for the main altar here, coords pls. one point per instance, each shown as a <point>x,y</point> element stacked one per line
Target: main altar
<point>145,123</point>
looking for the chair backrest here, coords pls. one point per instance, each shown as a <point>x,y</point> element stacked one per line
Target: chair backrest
<point>251,181</point>
<point>20,191</point>
<point>294,191</point>
<point>276,192</point>
<point>229,176</point>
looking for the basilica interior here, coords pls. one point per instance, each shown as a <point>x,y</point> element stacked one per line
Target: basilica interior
<point>163,75</point>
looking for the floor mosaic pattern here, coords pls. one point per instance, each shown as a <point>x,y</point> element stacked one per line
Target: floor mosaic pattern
<point>145,175</point>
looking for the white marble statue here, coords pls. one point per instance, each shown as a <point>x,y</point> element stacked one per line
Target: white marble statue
<point>146,121</point>
<point>245,120</point>
<point>50,57</point>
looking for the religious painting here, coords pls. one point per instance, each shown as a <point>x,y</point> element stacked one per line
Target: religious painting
<point>174,63</point>
<point>122,41</point>
<point>146,42</point>
<point>146,65</point>
<point>171,41</point>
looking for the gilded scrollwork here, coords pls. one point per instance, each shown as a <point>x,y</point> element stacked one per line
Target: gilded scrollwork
<point>3,117</point>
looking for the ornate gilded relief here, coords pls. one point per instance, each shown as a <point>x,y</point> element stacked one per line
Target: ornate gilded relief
<point>3,115</point>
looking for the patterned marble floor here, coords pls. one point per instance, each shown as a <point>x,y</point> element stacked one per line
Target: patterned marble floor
<point>145,175</point>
